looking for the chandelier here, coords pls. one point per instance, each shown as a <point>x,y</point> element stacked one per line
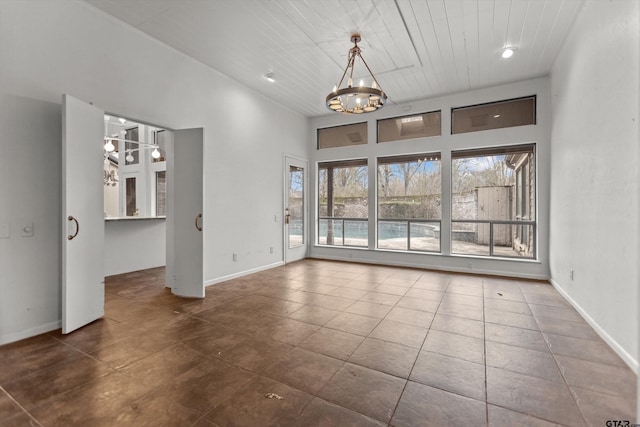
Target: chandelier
<point>110,147</point>
<point>355,99</point>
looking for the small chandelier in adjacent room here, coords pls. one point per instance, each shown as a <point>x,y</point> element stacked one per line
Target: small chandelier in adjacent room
<point>356,99</point>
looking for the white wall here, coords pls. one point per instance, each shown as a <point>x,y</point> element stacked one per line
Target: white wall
<point>30,192</point>
<point>594,171</point>
<point>134,244</point>
<point>50,48</point>
<point>444,144</point>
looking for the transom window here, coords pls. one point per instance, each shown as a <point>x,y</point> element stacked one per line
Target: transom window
<point>494,115</point>
<point>342,136</point>
<point>409,127</point>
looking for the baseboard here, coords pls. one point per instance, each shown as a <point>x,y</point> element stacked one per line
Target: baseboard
<point>446,269</point>
<point>32,332</point>
<point>620,351</point>
<point>129,270</point>
<point>242,273</point>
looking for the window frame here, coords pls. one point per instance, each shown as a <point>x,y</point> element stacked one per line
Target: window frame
<point>357,162</point>
<point>399,159</point>
<point>517,224</point>
<point>486,104</point>
<point>365,124</point>
<point>156,174</point>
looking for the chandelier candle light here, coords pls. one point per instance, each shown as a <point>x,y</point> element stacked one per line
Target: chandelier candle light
<point>355,99</point>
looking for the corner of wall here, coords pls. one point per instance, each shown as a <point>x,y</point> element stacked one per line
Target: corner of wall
<point>620,350</point>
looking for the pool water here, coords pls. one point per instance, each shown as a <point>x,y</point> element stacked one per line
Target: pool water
<point>386,230</point>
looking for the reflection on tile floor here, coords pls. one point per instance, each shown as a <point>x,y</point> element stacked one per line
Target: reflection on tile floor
<point>340,343</point>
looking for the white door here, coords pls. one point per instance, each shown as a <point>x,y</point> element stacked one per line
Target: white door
<point>295,209</point>
<point>82,214</point>
<point>185,221</point>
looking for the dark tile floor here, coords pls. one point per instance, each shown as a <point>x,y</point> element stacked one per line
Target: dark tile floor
<point>336,344</point>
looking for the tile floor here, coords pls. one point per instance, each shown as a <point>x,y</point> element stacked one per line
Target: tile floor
<point>342,344</point>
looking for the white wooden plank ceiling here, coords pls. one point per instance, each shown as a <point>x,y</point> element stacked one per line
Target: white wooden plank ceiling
<point>416,48</point>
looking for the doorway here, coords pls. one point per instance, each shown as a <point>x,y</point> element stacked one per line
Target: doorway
<point>295,209</point>
<point>83,213</point>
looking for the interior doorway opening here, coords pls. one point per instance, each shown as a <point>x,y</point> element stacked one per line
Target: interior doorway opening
<point>135,194</point>
<point>83,209</point>
<point>134,168</point>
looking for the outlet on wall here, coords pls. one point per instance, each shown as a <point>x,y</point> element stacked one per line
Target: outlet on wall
<point>235,257</point>
<point>270,249</point>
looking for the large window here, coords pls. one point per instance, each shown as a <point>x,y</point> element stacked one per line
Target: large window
<point>161,193</point>
<point>342,203</point>
<point>409,197</point>
<point>130,197</point>
<point>131,147</point>
<point>493,202</point>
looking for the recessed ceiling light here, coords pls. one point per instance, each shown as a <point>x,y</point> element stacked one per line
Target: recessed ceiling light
<point>495,116</point>
<point>271,77</point>
<point>508,52</point>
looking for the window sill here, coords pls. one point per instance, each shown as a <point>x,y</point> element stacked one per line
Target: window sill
<point>439,254</point>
